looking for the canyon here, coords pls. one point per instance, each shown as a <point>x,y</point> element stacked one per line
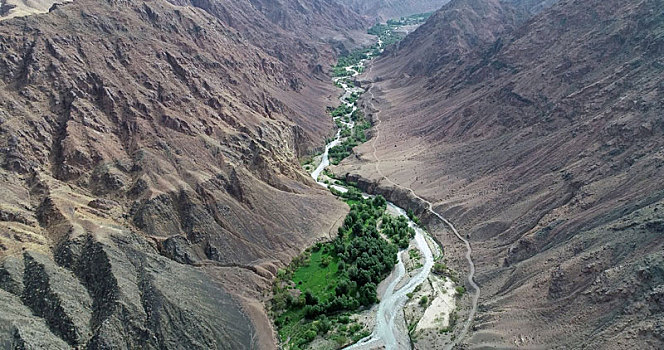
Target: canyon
<point>153,189</point>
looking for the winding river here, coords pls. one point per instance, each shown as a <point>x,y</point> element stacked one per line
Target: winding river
<point>389,331</point>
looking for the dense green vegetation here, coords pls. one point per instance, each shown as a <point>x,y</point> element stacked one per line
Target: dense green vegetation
<point>345,131</point>
<point>397,229</point>
<point>351,60</point>
<point>353,97</point>
<point>341,151</point>
<point>357,115</point>
<point>387,32</point>
<point>352,137</point>
<point>410,20</point>
<point>335,277</point>
<point>319,288</point>
<point>341,110</point>
<point>357,136</point>
<point>411,215</point>
<point>387,35</point>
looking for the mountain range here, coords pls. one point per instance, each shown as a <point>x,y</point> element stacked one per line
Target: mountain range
<point>152,187</point>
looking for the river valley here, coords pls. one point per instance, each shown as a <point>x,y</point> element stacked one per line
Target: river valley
<point>392,328</point>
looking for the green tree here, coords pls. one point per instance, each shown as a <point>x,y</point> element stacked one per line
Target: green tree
<point>310,298</point>
<point>368,294</point>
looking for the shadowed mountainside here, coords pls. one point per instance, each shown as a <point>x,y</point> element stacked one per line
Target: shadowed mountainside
<point>542,138</point>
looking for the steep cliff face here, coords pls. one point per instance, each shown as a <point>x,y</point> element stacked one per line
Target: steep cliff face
<point>301,34</point>
<point>543,141</point>
<point>453,34</point>
<point>460,32</point>
<point>150,178</point>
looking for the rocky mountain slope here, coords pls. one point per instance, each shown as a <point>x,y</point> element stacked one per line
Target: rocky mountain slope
<point>541,137</point>
<point>453,34</point>
<point>149,170</point>
<point>383,10</point>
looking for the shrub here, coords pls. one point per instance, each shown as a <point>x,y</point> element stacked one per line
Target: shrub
<point>309,335</point>
<point>439,268</point>
<point>310,299</point>
<point>323,324</point>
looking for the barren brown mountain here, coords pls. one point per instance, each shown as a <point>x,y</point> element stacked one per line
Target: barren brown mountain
<point>542,138</point>
<point>150,180</point>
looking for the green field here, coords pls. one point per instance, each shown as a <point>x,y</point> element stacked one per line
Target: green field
<point>318,289</point>
<point>317,277</point>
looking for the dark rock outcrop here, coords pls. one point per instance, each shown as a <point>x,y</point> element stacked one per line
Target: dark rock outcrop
<point>56,295</point>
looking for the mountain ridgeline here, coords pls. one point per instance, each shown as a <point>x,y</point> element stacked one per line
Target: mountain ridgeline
<point>383,10</point>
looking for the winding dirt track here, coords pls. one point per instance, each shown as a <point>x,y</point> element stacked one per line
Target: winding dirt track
<point>469,250</point>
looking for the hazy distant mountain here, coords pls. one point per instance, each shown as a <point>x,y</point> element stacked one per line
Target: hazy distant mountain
<point>385,9</point>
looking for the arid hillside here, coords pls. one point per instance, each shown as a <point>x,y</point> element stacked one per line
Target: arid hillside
<point>542,138</point>
<point>150,177</point>
<point>451,35</point>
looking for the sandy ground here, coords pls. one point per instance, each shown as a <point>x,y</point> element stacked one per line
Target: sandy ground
<point>437,315</point>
